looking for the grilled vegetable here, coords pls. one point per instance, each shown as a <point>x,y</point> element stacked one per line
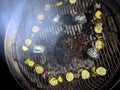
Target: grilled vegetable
<point>60,79</point>
<point>41,17</point>
<point>98,28</point>
<point>53,81</point>
<point>69,76</point>
<point>28,42</point>
<point>101,71</point>
<point>72,1</point>
<point>29,62</point>
<point>60,3</point>
<point>25,49</point>
<point>94,70</point>
<point>47,6</point>
<point>36,28</point>
<point>85,74</point>
<point>99,44</point>
<point>98,15</point>
<point>80,70</point>
<point>39,69</point>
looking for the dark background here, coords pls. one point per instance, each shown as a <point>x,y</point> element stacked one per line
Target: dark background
<point>7,8</point>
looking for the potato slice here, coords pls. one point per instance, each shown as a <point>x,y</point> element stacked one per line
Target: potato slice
<point>35,29</point>
<point>101,71</point>
<point>31,63</point>
<point>85,74</point>
<point>47,6</point>
<point>28,42</point>
<point>53,81</point>
<point>99,44</point>
<point>98,28</point>
<point>39,69</point>
<point>72,1</point>
<point>69,76</point>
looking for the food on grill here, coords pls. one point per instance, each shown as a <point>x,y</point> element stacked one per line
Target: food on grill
<point>47,6</point>
<point>72,1</point>
<point>97,5</point>
<point>35,29</point>
<point>99,44</point>
<point>53,81</point>
<point>60,79</point>
<point>56,18</point>
<point>78,17</point>
<point>98,15</point>
<point>101,71</point>
<point>28,42</point>
<point>38,49</point>
<point>85,74</point>
<point>94,70</point>
<point>92,52</point>
<point>63,44</point>
<point>25,49</point>
<point>41,17</point>
<point>29,62</point>
<point>98,28</point>
<point>80,70</point>
<point>60,3</point>
<point>39,69</point>
<point>69,76</point>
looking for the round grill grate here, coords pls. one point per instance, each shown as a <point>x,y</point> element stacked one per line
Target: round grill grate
<point>64,45</point>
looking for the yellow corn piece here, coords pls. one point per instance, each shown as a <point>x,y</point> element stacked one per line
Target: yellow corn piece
<point>59,3</point>
<point>60,79</point>
<point>98,15</point>
<point>25,49</point>
<point>41,17</point>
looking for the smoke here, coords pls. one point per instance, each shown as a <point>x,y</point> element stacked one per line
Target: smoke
<point>7,10</point>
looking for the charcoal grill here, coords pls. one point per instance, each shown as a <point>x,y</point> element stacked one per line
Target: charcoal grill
<point>55,38</point>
